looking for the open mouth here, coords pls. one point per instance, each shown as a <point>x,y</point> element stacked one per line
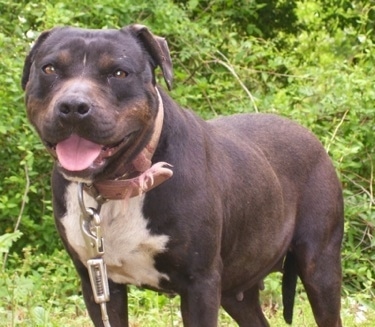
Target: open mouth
<point>78,154</point>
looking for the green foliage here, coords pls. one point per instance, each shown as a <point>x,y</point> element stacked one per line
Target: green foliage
<point>7,240</point>
<point>40,286</point>
<point>312,61</point>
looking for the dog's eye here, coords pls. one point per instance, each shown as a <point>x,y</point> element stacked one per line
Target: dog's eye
<point>49,69</point>
<point>120,74</point>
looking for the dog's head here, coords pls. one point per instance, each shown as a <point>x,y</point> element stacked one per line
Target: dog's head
<point>91,95</point>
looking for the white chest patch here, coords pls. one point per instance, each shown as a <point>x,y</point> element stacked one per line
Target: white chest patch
<point>129,246</point>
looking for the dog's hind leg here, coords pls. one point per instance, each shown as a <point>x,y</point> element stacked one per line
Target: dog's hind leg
<point>290,276</point>
<point>321,277</point>
<point>317,245</point>
<point>245,309</point>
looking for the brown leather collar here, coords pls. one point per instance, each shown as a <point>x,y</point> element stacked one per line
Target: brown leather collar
<point>149,176</point>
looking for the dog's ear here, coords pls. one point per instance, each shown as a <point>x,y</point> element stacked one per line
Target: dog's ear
<point>31,56</point>
<point>158,49</point>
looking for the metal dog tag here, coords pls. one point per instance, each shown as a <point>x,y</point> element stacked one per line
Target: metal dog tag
<point>99,279</point>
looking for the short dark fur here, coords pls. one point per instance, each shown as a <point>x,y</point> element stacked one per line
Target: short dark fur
<point>247,192</point>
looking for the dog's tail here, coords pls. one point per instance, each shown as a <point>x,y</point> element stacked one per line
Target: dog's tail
<point>289,284</point>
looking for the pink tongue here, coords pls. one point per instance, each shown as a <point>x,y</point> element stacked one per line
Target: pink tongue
<point>76,153</point>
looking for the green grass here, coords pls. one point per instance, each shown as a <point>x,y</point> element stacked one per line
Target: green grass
<point>42,291</point>
<point>167,315</point>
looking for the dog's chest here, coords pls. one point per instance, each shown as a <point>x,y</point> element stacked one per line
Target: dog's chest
<point>129,246</point>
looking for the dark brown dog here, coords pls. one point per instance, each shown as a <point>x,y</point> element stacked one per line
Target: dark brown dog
<point>249,193</point>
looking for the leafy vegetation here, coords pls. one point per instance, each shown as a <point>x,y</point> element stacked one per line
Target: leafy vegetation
<point>312,61</point>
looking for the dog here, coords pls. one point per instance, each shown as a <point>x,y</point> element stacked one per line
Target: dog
<point>167,201</point>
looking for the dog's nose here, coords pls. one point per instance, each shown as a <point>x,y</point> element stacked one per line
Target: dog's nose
<point>75,108</point>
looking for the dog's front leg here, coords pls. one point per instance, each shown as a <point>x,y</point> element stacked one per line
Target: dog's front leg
<point>201,301</point>
<point>117,307</point>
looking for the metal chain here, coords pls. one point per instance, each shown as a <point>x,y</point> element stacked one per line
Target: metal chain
<point>92,234</point>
